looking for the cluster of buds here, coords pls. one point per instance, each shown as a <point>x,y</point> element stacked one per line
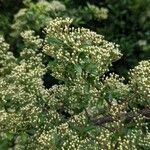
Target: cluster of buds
<point>140,82</point>
<point>98,13</point>
<point>80,53</point>
<point>57,118</point>
<point>7,60</point>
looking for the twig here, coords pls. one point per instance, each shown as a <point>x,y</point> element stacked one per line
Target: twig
<point>128,116</point>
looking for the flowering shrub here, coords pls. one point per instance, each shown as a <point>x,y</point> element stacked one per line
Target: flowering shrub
<point>88,110</point>
<point>36,15</point>
<point>123,22</point>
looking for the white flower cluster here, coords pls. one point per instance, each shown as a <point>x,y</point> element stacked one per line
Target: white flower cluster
<point>99,13</point>
<point>52,6</point>
<point>140,81</point>
<point>31,40</point>
<point>7,60</point>
<point>36,15</point>
<point>87,51</point>
<point>114,88</point>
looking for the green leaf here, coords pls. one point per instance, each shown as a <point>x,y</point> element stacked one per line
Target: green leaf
<point>10,136</point>
<point>4,144</point>
<point>24,136</point>
<point>56,41</point>
<point>88,128</point>
<point>78,69</point>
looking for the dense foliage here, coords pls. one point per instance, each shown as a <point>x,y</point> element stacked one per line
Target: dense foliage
<point>124,22</point>
<point>61,84</point>
<point>87,110</point>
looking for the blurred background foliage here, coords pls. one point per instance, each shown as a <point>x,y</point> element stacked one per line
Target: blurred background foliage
<point>124,22</point>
